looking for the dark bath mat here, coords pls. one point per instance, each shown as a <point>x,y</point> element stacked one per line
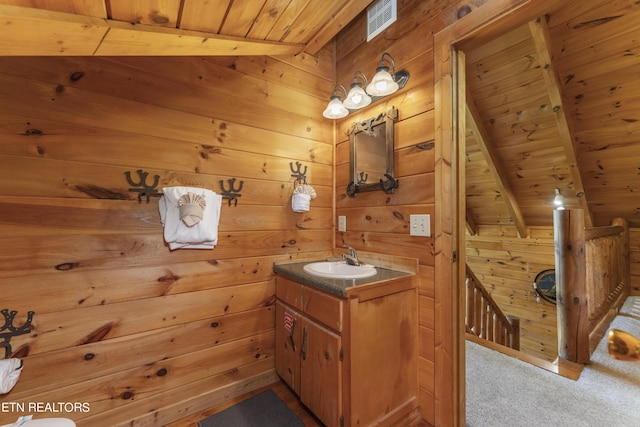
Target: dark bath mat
<point>262,410</point>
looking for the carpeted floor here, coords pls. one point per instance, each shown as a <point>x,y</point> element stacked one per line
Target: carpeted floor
<point>503,391</point>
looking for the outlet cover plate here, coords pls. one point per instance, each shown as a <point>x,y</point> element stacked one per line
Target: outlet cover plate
<point>420,225</point>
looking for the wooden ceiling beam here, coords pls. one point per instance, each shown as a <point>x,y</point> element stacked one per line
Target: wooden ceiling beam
<point>474,124</point>
<point>37,32</point>
<point>124,39</point>
<point>540,33</point>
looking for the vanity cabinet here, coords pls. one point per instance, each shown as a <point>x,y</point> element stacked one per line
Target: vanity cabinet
<point>352,358</point>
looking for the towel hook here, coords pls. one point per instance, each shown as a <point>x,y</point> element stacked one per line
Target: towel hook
<point>232,193</point>
<point>141,187</point>
<point>9,316</point>
<point>301,177</point>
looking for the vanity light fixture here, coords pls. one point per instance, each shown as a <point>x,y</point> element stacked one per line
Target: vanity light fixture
<point>357,97</point>
<point>335,109</point>
<point>558,201</point>
<point>384,83</point>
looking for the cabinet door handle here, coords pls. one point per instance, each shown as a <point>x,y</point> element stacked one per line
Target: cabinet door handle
<point>293,328</point>
<point>303,351</point>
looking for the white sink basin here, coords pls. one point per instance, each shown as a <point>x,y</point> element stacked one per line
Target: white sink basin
<point>339,270</point>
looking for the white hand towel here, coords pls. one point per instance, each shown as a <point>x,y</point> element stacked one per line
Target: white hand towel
<point>301,198</point>
<point>204,234</point>
<point>9,373</point>
<point>300,202</point>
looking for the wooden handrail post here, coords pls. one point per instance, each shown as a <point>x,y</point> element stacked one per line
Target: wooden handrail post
<point>571,293</point>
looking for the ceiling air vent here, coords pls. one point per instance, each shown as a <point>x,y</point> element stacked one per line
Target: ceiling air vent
<point>380,15</point>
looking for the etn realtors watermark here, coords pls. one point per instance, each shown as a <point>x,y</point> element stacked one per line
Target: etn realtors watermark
<point>45,407</point>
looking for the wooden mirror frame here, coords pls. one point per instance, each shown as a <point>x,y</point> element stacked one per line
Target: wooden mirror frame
<point>358,184</point>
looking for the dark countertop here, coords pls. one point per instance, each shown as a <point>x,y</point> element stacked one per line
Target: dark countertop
<point>295,271</point>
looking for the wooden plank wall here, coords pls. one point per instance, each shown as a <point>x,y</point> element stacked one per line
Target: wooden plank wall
<point>376,221</point>
<point>121,323</point>
<point>507,266</point>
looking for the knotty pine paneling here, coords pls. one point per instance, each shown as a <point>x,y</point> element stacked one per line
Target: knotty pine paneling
<point>122,323</point>
<point>507,266</point>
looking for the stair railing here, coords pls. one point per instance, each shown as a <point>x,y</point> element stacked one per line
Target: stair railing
<point>484,318</point>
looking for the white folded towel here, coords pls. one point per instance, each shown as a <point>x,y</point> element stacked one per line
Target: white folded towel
<point>204,234</point>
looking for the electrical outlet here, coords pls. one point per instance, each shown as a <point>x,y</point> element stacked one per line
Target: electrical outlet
<point>420,225</point>
<point>342,223</point>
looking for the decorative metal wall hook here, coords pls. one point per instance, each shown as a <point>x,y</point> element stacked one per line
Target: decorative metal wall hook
<point>9,316</point>
<point>363,177</point>
<point>141,187</point>
<point>389,184</point>
<point>299,175</point>
<point>232,193</point>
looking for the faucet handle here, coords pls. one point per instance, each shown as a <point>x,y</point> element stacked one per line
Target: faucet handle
<point>352,252</point>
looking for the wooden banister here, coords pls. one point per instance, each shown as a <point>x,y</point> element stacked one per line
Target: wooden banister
<point>592,280</point>
<point>484,318</point>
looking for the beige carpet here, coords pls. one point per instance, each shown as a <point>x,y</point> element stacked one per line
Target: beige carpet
<point>503,391</point>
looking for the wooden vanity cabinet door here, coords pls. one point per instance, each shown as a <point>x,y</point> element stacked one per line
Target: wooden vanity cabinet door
<point>321,372</point>
<point>288,341</point>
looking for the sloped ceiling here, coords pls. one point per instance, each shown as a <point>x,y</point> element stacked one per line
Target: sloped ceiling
<point>552,104</point>
<point>172,27</point>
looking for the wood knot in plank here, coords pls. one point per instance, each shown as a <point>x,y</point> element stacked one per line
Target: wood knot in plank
<point>157,18</point>
<point>170,278</point>
<point>98,334</point>
<point>74,77</point>
<point>101,193</point>
<point>66,266</point>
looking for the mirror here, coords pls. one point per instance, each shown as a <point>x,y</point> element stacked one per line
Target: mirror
<point>371,154</point>
<point>545,285</point>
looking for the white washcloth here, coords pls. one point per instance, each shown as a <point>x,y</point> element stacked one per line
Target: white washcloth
<point>204,234</point>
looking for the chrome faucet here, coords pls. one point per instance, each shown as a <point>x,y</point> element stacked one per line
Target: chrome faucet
<point>352,258</point>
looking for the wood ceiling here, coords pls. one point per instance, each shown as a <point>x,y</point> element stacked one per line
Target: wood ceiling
<point>172,27</point>
<point>555,104</point>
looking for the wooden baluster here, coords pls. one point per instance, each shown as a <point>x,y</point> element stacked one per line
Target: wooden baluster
<point>477,324</point>
<point>485,320</point>
<point>470,306</point>
<point>491,318</point>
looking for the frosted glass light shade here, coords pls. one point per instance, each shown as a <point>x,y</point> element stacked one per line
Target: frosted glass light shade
<point>335,109</point>
<point>382,83</point>
<point>357,97</point>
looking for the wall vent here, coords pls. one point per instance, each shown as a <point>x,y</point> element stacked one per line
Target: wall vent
<point>380,15</point>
